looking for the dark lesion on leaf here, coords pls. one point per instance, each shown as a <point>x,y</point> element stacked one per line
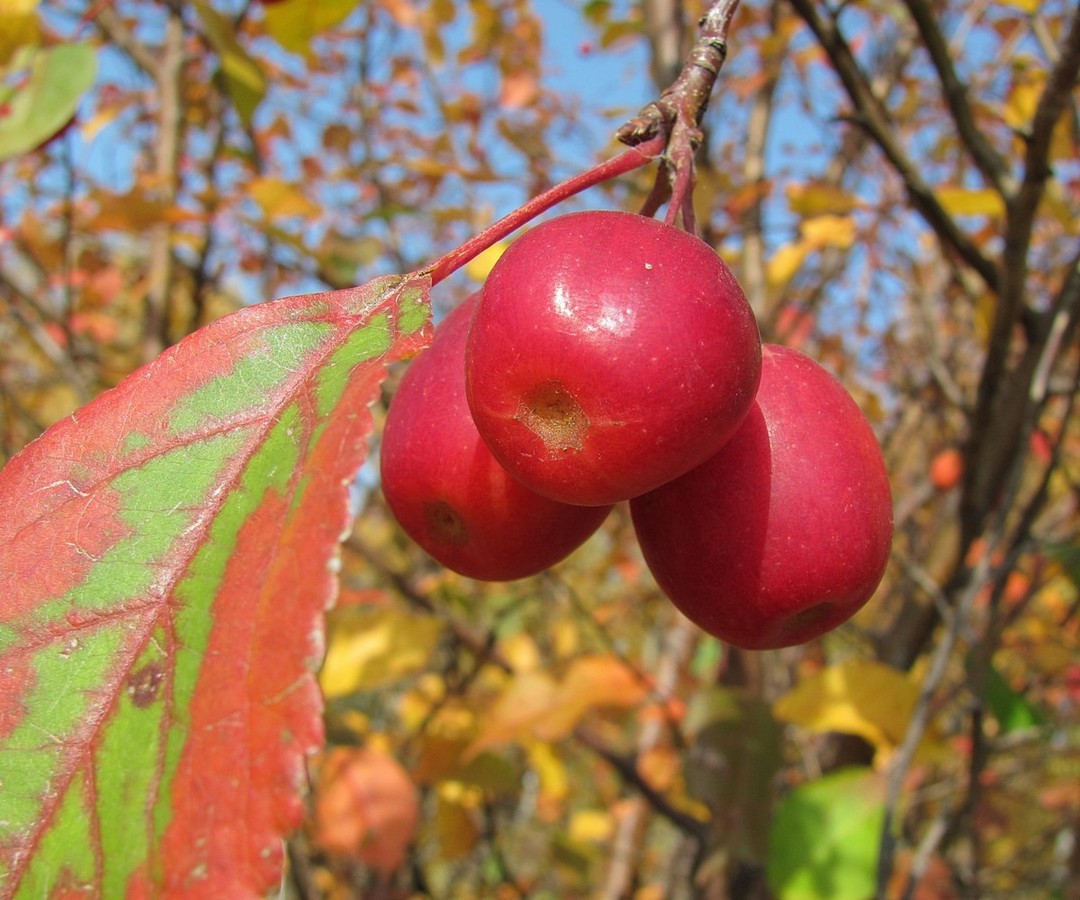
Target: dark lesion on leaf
<point>144,684</point>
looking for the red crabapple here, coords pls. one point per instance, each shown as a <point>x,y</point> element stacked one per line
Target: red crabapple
<point>785,532</point>
<point>609,353</point>
<point>445,488</point>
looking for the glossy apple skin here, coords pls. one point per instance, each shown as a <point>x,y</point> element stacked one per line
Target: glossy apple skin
<point>445,488</point>
<point>609,353</point>
<point>785,533</point>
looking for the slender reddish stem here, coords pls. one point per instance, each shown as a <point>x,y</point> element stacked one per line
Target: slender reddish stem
<point>669,126</point>
<point>625,162</point>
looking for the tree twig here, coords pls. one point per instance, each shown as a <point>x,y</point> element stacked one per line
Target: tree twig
<point>625,162</point>
<point>677,114</point>
<point>920,720</point>
<point>678,643</point>
<point>870,113</point>
<point>986,158</point>
<point>1020,214</point>
<point>626,766</point>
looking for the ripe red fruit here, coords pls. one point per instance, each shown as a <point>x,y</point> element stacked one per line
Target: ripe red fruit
<point>784,533</point>
<point>445,488</point>
<point>609,353</point>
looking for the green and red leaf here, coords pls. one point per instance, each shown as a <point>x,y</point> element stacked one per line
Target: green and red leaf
<point>166,555</point>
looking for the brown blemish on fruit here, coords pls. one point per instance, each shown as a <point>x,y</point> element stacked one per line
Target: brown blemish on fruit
<point>550,412</point>
<point>445,523</point>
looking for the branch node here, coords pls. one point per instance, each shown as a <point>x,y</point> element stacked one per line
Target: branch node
<point>676,116</point>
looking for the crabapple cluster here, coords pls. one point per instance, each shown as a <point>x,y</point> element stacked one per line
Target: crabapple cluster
<point>611,357</point>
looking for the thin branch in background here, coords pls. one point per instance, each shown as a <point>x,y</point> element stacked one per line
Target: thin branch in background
<point>477,643</point>
<point>999,420</point>
<point>870,113</point>
<point>1006,538</point>
<point>904,754</point>
<point>165,70</point>
<point>201,280</point>
<point>33,320</point>
<point>116,31</point>
<point>67,238</point>
<point>678,642</point>
<point>502,865</point>
<point>1021,207</point>
<point>626,766</point>
<point>758,129</point>
<point>988,161</point>
<point>168,76</point>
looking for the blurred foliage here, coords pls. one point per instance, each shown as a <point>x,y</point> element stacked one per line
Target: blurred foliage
<point>899,193</point>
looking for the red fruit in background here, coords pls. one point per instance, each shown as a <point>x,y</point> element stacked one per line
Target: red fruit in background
<point>609,353</point>
<point>946,469</point>
<point>784,533</point>
<point>445,488</point>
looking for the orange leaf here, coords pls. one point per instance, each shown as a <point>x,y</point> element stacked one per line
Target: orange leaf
<point>401,11</point>
<point>518,90</point>
<point>366,806</point>
<point>591,682</point>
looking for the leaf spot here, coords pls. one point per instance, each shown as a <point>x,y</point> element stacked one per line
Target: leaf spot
<point>69,648</point>
<point>143,684</point>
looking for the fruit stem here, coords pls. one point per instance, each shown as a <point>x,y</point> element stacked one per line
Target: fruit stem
<point>678,113</point>
<point>639,154</point>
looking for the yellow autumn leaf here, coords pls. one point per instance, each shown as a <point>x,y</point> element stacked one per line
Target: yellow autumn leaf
<point>786,261</point>
<point>480,267</point>
<point>244,76</point>
<point>373,647</point>
<point>279,199</point>
<point>1057,204</point>
<point>551,773</point>
<point>293,23</point>
<point>457,818</point>
<point>1028,7</point>
<point>534,705</point>
<point>138,210</point>
<point>591,826</point>
<point>521,652</point>
<point>1019,107</point>
<point>18,27</point>
<point>985,311</point>
<point>1018,112</point>
<point>860,697</point>
<point>960,201</point>
<point>829,231</point>
<point>819,198</point>
<point>99,121</point>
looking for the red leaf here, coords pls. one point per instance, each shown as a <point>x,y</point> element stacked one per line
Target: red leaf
<point>166,554</point>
